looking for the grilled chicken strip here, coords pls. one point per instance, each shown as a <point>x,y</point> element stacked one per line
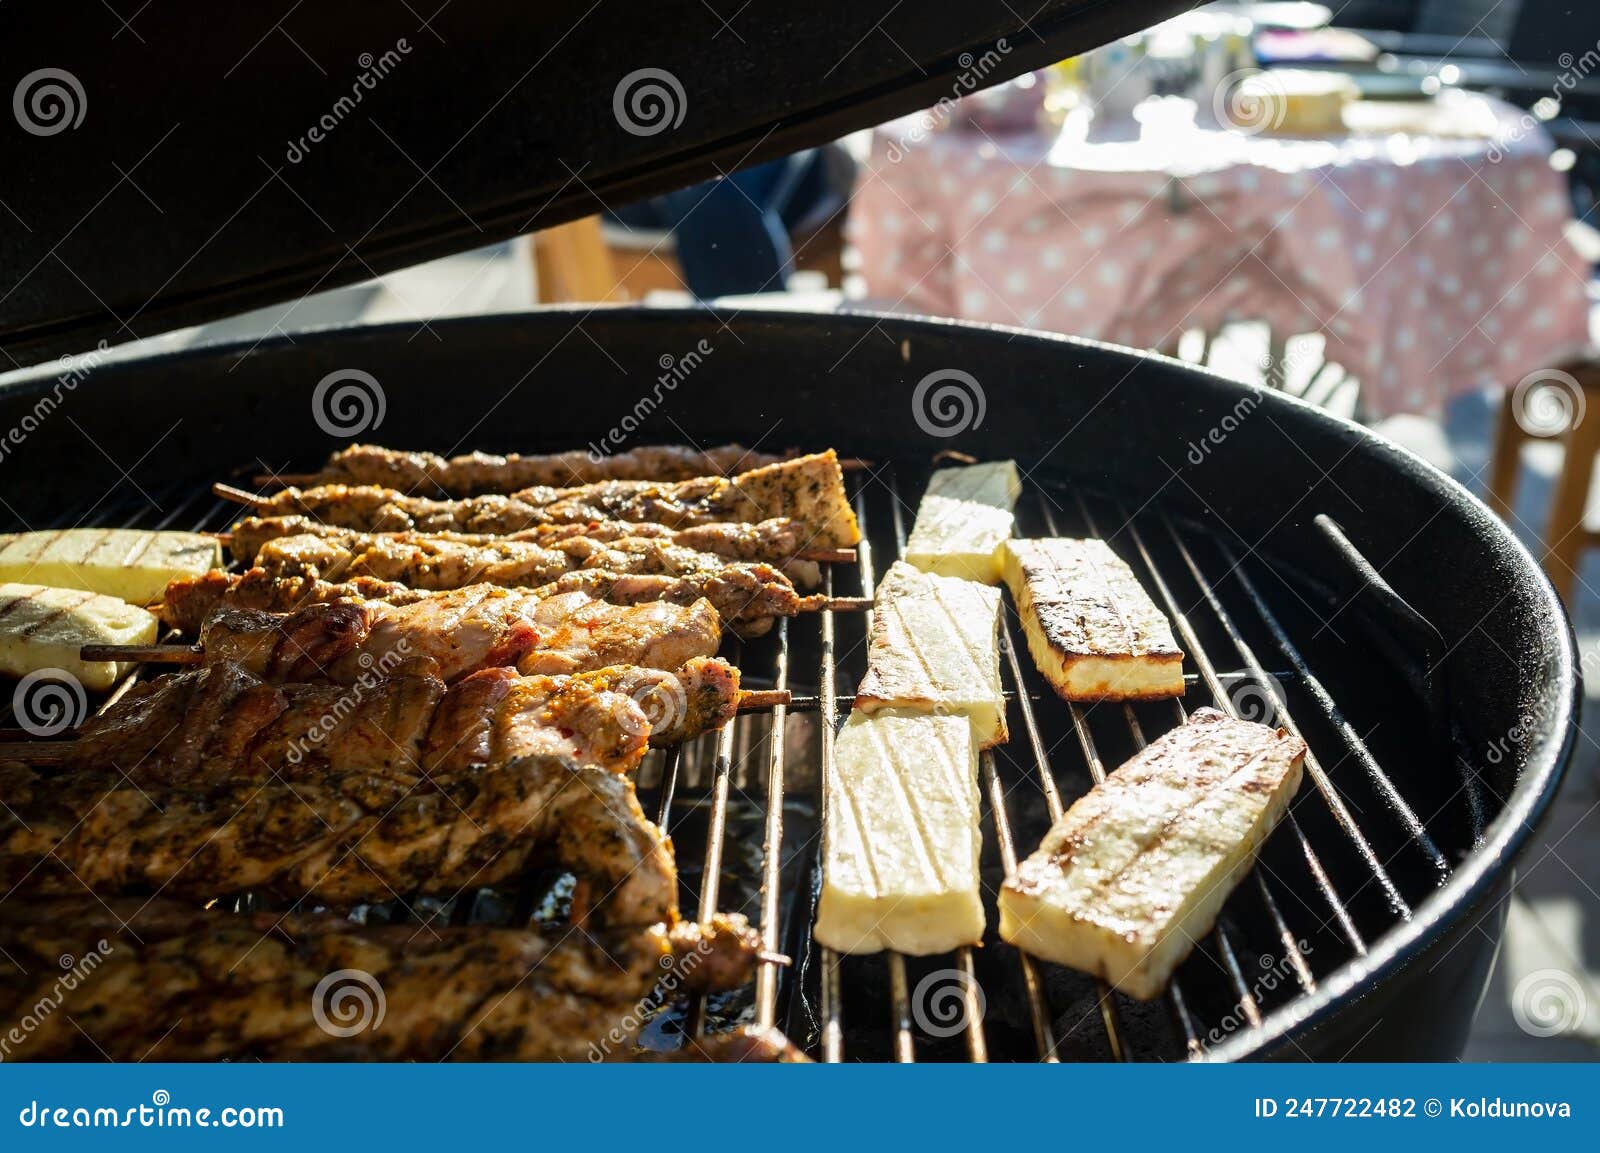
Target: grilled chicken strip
<point>180,983</point>
<point>809,489</point>
<point>744,594</point>
<point>449,635</point>
<point>481,472</point>
<point>214,781</point>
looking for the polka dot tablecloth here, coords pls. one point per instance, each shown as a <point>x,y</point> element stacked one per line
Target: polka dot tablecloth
<point>1427,246</point>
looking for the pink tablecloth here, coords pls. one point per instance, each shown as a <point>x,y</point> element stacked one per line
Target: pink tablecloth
<point>1427,246</point>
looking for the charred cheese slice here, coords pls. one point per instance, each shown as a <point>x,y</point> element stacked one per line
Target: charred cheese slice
<point>934,648</point>
<point>131,564</point>
<point>964,518</point>
<point>1092,630</point>
<point>1136,870</point>
<point>43,628</point>
<point>900,859</point>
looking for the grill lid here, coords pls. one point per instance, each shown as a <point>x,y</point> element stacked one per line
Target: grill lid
<point>174,167</point>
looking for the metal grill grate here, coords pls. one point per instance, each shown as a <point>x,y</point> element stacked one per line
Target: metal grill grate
<point>1346,864</point>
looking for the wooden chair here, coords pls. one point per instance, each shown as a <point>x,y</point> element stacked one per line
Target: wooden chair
<point>1565,535</point>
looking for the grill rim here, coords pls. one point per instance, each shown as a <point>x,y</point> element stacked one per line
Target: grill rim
<point>1477,877</point>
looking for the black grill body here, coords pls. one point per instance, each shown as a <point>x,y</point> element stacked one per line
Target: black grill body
<point>1449,655</point>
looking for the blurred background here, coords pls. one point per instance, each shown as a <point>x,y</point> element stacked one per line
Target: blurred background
<point>1383,207</point>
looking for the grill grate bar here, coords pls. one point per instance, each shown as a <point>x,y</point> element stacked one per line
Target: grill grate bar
<point>1318,774</point>
<point>1038,1009</point>
<point>716,836</point>
<point>827,691</point>
<point>1318,692</point>
<point>767,975</point>
<point>1221,699</point>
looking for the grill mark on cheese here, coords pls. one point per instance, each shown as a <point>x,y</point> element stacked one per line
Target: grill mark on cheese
<point>908,805</point>
<point>1214,794</point>
<point>860,852</point>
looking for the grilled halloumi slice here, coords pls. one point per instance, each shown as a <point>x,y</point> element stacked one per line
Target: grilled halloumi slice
<point>900,859</point>
<point>1092,630</point>
<point>43,628</point>
<point>934,648</point>
<point>964,518</point>
<point>132,564</point>
<point>1137,869</point>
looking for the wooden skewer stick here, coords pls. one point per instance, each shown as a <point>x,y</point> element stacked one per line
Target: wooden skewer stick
<point>54,752</point>
<point>35,752</point>
<point>237,495</point>
<point>155,654</point>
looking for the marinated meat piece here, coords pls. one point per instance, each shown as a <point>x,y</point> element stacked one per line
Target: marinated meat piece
<point>481,472</point>
<point>448,635</point>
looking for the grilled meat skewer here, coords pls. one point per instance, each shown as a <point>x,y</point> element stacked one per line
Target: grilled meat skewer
<point>226,711</point>
<point>190,602</point>
<point>449,635</point>
<point>181,983</point>
<point>777,542</point>
<point>744,594</point>
<point>809,489</point>
<point>481,472</point>
<point>213,781</point>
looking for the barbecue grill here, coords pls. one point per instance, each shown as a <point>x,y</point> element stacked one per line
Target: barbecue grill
<point>1303,560</point>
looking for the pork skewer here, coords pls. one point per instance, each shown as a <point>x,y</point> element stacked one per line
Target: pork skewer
<point>213,781</point>
<point>779,541</point>
<point>747,596</point>
<point>189,603</point>
<point>479,472</point>
<point>809,490</point>
<point>176,982</point>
